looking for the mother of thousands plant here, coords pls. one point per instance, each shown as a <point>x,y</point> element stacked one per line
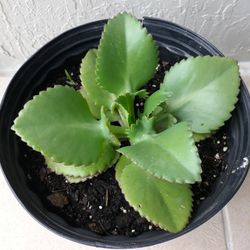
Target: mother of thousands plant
<point>81,133</point>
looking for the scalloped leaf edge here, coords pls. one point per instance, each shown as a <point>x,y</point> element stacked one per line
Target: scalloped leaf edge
<point>83,177</point>
<point>230,109</point>
<point>22,110</point>
<point>145,216</point>
<point>38,148</point>
<point>82,74</point>
<point>101,41</point>
<point>176,180</point>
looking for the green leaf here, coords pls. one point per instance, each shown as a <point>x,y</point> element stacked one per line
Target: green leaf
<point>141,128</point>
<point>170,155</point>
<point>124,106</point>
<point>165,204</point>
<point>201,137</point>
<point>120,165</point>
<point>76,179</point>
<point>107,128</point>
<point>58,124</point>
<point>127,56</point>
<point>119,111</point>
<point>93,107</point>
<point>142,93</point>
<point>155,100</point>
<point>163,121</point>
<point>96,109</point>
<point>107,158</point>
<point>95,93</point>
<point>204,91</point>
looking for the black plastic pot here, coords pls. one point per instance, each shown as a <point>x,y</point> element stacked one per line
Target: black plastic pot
<point>175,42</point>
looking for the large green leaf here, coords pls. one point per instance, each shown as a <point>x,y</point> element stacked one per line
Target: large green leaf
<point>127,56</point>
<point>99,96</point>
<point>165,204</point>
<point>58,123</point>
<point>170,155</point>
<point>105,161</point>
<point>204,91</point>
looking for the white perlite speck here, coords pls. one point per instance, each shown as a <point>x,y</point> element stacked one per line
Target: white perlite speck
<point>217,156</point>
<point>123,210</point>
<point>100,207</point>
<point>225,149</point>
<point>244,164</point>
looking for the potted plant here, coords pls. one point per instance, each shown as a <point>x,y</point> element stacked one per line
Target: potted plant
<point>117,118</point>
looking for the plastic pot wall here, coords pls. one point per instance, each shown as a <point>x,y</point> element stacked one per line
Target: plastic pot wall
<point>175,43</point>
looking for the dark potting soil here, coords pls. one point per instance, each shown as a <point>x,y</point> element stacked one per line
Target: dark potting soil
<point>98,204</point>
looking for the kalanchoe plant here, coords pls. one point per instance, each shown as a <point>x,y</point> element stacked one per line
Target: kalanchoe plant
<point>82,133</point>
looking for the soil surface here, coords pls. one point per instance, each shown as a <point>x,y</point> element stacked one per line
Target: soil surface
<point>98,204</point>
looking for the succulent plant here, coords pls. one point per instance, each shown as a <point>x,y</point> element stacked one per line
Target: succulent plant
<point>82,133</point>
